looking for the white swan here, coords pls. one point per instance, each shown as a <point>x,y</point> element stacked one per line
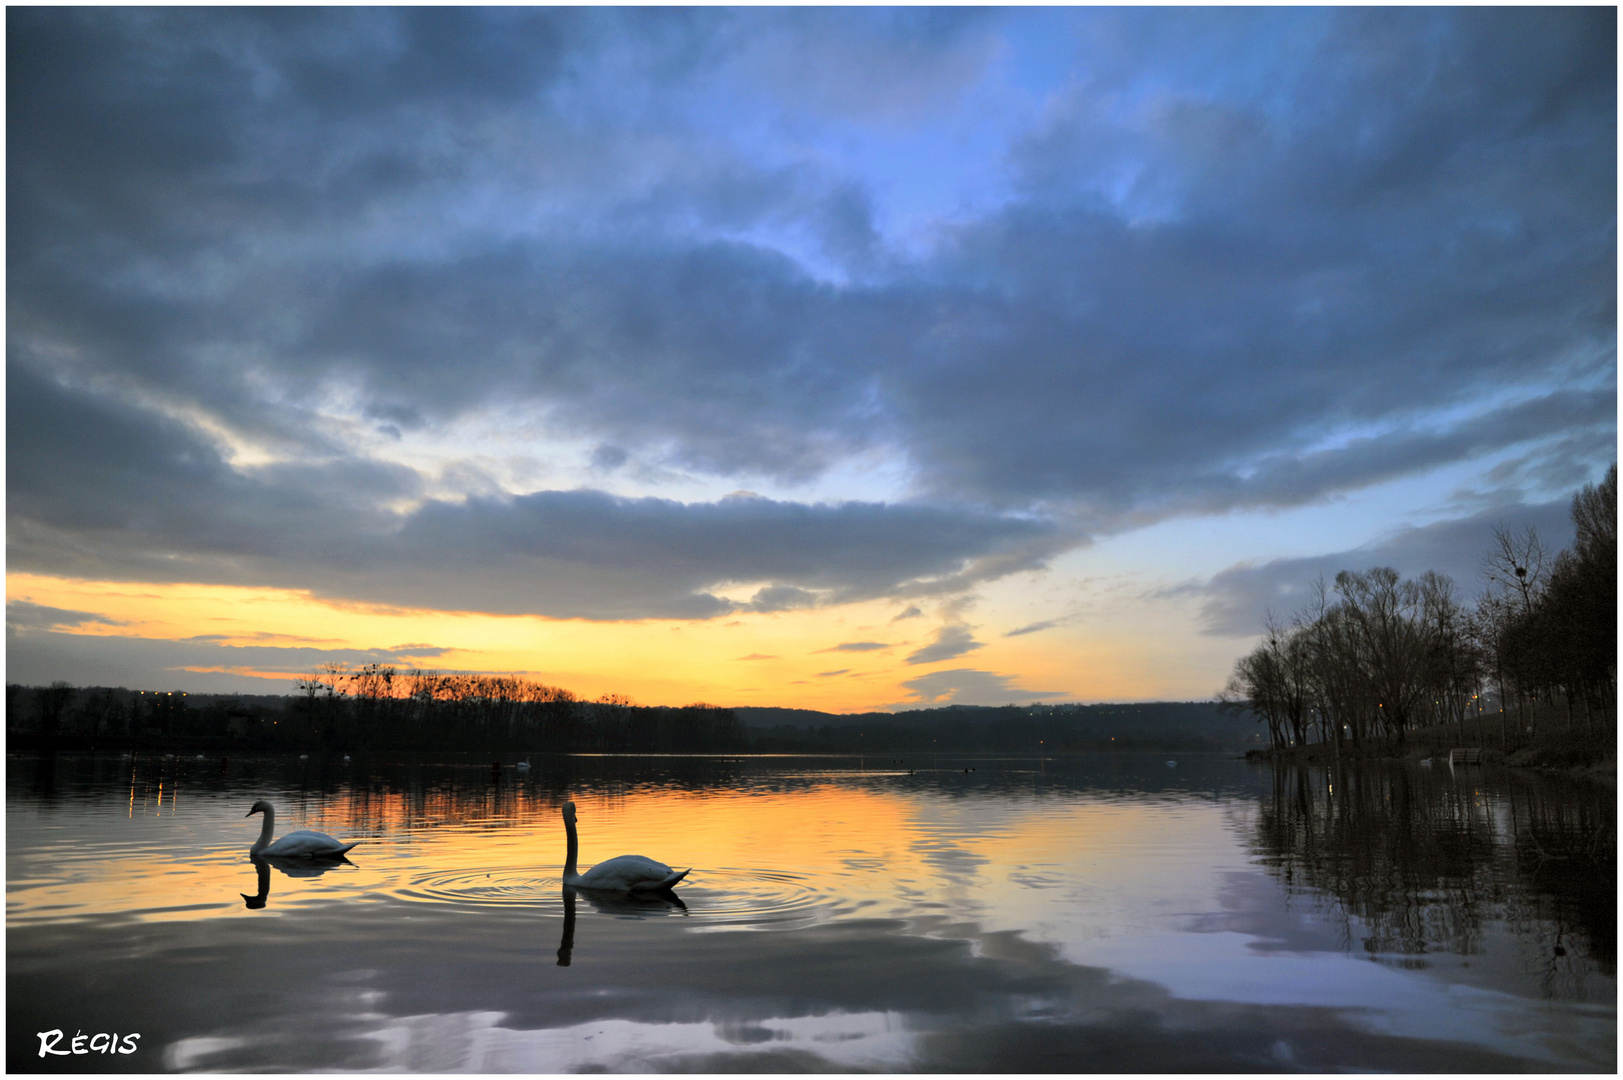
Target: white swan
<point>624,873</point>
<point>303,843</point>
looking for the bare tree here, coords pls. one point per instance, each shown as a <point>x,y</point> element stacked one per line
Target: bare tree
<point>53,701</point>
<point>1515,564</point>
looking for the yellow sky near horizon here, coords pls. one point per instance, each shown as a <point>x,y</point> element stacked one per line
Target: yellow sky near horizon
<point>787,658</point>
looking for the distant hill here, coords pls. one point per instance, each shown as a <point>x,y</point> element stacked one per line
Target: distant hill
<point>753,716</point>
<point>96,714</point>
<point>1157,725</point>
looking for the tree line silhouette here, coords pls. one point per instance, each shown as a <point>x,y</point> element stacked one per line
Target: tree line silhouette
<point>1374,657</point>
<point>375,707</point>
<point>378,706</point>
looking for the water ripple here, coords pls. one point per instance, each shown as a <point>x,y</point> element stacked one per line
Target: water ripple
<point>503,886</point>
<point>739,898</point>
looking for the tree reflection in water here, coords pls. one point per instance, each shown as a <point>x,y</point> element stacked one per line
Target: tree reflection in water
<point>1409,861</point>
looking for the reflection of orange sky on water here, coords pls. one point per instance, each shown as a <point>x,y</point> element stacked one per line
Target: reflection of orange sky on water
<point>668,662</point>
<point>867,843</point>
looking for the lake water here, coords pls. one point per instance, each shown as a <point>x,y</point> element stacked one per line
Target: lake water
<point>1107,913</point>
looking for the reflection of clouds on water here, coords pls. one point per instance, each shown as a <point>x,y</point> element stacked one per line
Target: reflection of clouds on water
<point>1227,966</point>
<point>936,996</point>
<point>185,1054</point>
<point>951,860</point>
<point>995,928</point>
<point>478,1042</point>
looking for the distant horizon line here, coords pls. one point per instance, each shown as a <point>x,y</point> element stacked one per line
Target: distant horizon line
<point>215,694</point>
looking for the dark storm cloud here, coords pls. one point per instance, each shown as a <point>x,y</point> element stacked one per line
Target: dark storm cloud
<point>1229,274</point>
<point>1237,598</point>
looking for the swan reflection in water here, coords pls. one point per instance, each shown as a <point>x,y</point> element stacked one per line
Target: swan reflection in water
<point>622,905</point>
<point>294,867</point>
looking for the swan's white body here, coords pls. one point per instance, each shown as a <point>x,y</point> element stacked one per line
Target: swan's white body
<point>624,873</point>
<point>301,844</point>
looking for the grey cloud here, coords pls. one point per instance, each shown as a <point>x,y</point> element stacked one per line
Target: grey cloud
<point>856,646</point>
<point>910,612</point>
<point>608,457</point>
<point>1284,479</point>
<point>852,550</point>
<point>243,213</point>
<point>173,509</point>
<point>885,65</point>
<point>1282,290</point>
<point>950,641</point>
<point>1235,600</point>
<point>23,616</point>
<point>104,660</point>
<point>782,598</point>
<point>827,674</point>
<point>1032,628</point>
<point>967,686</point>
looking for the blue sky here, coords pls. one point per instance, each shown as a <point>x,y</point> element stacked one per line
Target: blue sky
<point>1119,321</point>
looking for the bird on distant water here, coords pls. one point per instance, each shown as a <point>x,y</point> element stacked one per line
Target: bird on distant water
<point>300,844</point>
<point>624,873</point>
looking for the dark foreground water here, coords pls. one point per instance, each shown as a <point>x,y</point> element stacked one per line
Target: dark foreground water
<point>1110,913</point>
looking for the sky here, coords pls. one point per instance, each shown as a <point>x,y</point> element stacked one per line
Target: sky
<point>847,359</point>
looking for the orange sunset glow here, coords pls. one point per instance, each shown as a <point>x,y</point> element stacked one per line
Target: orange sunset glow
<point>762,659</point>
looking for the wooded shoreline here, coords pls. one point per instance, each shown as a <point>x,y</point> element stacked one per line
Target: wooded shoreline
<point>510,716</point>
<point>1373,661</point>
<point>1548,744</point>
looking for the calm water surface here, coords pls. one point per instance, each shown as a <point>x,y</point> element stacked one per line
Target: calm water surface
<point>1109,913</point>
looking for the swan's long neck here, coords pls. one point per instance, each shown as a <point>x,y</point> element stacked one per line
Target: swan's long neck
<point>265,833</point>
<point>572,851</point>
